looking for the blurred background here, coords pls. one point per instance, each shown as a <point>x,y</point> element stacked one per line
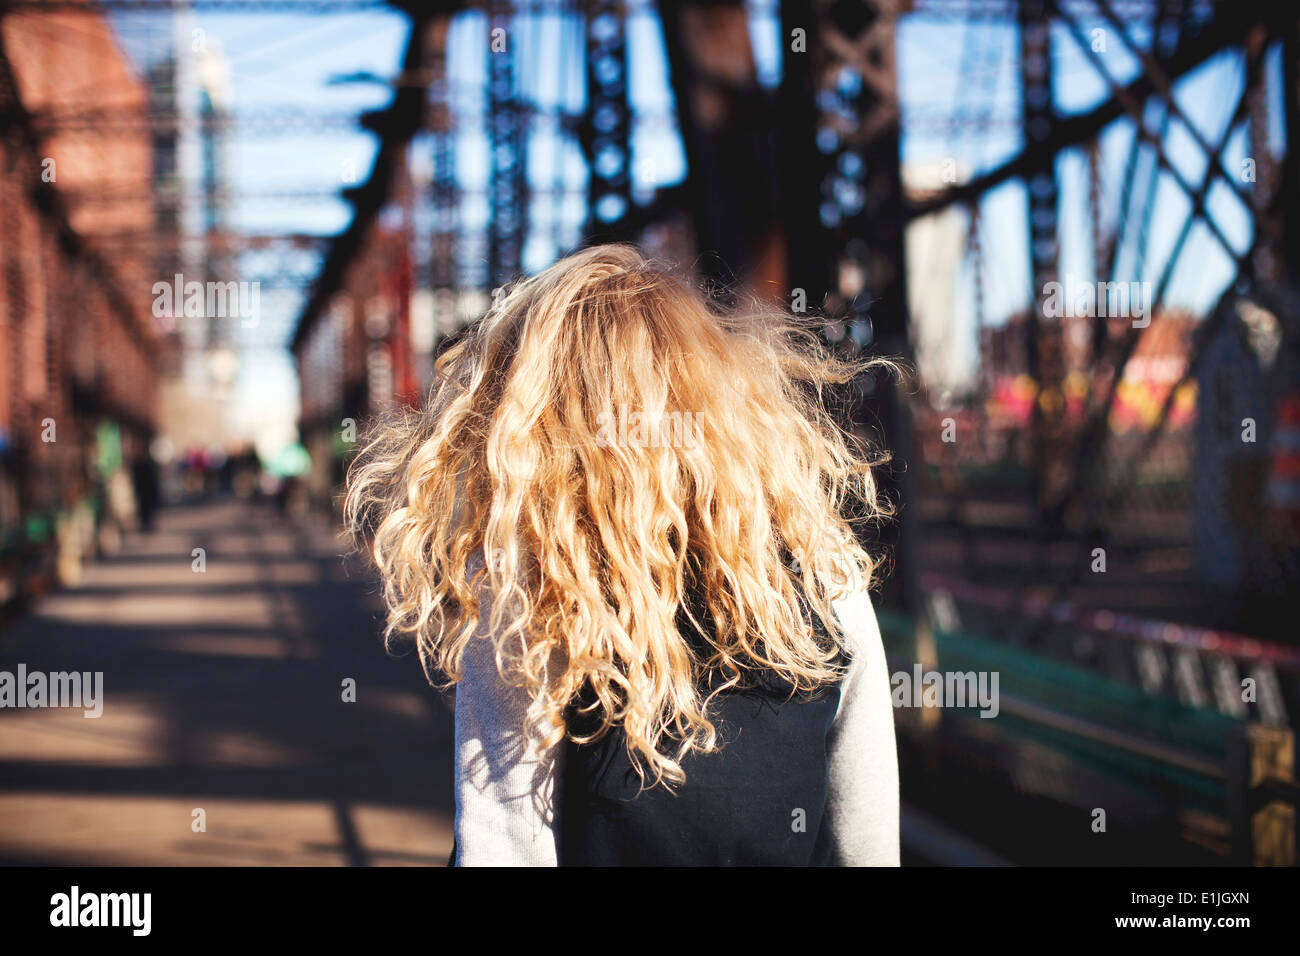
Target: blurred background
<point>233,231</point>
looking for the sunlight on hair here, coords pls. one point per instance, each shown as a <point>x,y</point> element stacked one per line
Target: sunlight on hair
<point>502,497</point>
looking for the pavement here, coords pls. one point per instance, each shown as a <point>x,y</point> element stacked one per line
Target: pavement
<point>225,736</point>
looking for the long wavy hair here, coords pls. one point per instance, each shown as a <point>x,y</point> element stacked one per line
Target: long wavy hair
<point>603,443</point>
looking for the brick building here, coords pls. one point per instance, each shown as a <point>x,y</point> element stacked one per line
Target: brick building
<point>78,351</point>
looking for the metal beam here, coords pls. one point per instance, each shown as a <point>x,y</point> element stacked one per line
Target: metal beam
<point>850,85</point>
<point>406,115</point>
<point>1043,357</point>
<point>605,129</point>
<point>728,133</point>
<point>1227,29</point>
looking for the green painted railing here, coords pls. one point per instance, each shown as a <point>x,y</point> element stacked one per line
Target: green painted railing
<point>1113,727</point>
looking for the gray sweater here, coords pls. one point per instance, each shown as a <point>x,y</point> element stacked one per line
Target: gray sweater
<point>506,786</point>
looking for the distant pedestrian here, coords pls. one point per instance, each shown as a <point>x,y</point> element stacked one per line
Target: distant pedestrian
<point>618,528</point>
<point>144,479</point>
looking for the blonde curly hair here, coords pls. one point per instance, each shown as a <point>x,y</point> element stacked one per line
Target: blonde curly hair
<point>512,493</point>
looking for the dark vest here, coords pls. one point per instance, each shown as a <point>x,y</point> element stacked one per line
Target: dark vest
<point>759,801</point>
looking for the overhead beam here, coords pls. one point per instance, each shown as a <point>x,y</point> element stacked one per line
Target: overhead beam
<point>404,117</point>
<point>1227,29</point>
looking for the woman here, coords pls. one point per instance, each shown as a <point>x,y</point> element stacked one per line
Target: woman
<point>619,530</point>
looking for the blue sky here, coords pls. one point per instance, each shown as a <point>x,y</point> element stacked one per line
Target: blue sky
<point>289,60</point>
<point>277,61</point>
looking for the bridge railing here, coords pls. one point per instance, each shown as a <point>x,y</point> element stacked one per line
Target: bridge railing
<point>1183,776</point>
